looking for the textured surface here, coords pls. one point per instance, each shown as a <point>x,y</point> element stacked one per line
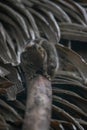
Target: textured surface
<point>58,21</point>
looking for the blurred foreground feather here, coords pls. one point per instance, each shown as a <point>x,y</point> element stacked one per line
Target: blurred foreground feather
<point>63,21</point>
